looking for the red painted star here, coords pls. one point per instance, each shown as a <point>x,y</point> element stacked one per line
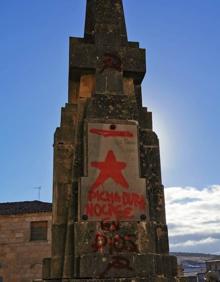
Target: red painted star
<point>110,168</point>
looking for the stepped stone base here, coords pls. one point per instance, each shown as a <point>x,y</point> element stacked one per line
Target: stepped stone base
<point>134,279</point>
<point>126,265</point>
<point>130,268</point>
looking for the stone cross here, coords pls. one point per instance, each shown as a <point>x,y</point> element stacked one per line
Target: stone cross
<point>108,49</point>
<point>108,199</point>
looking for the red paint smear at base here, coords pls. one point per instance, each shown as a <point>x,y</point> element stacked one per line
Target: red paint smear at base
<point>111,133</point>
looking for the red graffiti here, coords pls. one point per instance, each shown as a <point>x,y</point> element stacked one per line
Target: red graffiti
<point>115,243</point>
<point>111,61</point>
<point>111,239</point>
<point>111,133</point>
<point>110,226</point>
<point>130,199</point>
<point>117,262</point>
<point>120,262</point>
<point>124,243</point>
<point>100,242</point>
<point>108,211</point>
<point>108,205</point>
<point>110,168</point>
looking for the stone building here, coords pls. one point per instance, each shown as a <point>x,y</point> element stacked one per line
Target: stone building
<point>213,270</point>
<point>25,239</point>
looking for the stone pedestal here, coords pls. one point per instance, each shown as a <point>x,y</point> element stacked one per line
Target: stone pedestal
<point>108,199</point>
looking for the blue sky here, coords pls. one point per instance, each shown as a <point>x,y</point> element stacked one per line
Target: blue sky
<point>181,88</point>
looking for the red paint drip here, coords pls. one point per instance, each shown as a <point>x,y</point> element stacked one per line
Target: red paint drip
<point>111,133</point>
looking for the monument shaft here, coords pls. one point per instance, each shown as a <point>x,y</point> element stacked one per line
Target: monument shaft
<point>108,199</point>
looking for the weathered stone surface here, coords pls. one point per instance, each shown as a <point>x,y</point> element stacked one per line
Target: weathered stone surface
<point>97,165</point>
<point>113,238</point>
<point>112,107</point>
<point>132,279</point>
<point>188,279</point>
<point>46,271</point>
<point>126,265</point>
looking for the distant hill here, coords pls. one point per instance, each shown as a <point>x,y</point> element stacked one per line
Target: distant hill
<point>193,263</point>
<point>196,256</point>
<point>208,256</point>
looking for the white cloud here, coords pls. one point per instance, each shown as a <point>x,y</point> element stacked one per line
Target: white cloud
<point>190,243</point>
<point>193,216</point>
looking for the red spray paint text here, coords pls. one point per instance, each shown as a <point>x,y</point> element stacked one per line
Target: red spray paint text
<point>111,133</point>
<point>114,204</point>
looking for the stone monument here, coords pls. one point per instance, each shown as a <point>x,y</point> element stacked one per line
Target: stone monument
<point>108,201</point>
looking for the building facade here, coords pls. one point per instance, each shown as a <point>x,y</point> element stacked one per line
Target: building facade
<point>213,270</point>
<point>25,239</point>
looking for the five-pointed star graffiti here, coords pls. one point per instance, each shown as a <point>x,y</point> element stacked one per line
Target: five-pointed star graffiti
<point>110,168</point>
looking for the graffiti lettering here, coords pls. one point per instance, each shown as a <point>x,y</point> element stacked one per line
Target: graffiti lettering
<point>111,133</point>
<point>100,242</point>
<point>111,61</point>
<point>116,244</point>
<point>117,262</point>
<point>107,211</point>
<point>110,226</point>
<point>126,199</point>
<point>116,205</point>
<point>113,240</point>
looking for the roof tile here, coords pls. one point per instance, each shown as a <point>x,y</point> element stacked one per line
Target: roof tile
<point>14,208</point>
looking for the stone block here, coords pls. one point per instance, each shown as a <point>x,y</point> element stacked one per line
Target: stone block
<point>114,238</point>
<point>69,116</point>
<point>118,107</point>
<point>87,86</point>
<point>64,135</point>
<point>166,265</point>
<point>46,269</point>
<point>118,266</point>
<point>128,86</point>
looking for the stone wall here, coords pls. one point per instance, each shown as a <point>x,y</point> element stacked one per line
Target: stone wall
<point>21,258</point>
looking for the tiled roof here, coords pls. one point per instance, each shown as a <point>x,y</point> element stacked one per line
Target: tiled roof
<point>24,207</point>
